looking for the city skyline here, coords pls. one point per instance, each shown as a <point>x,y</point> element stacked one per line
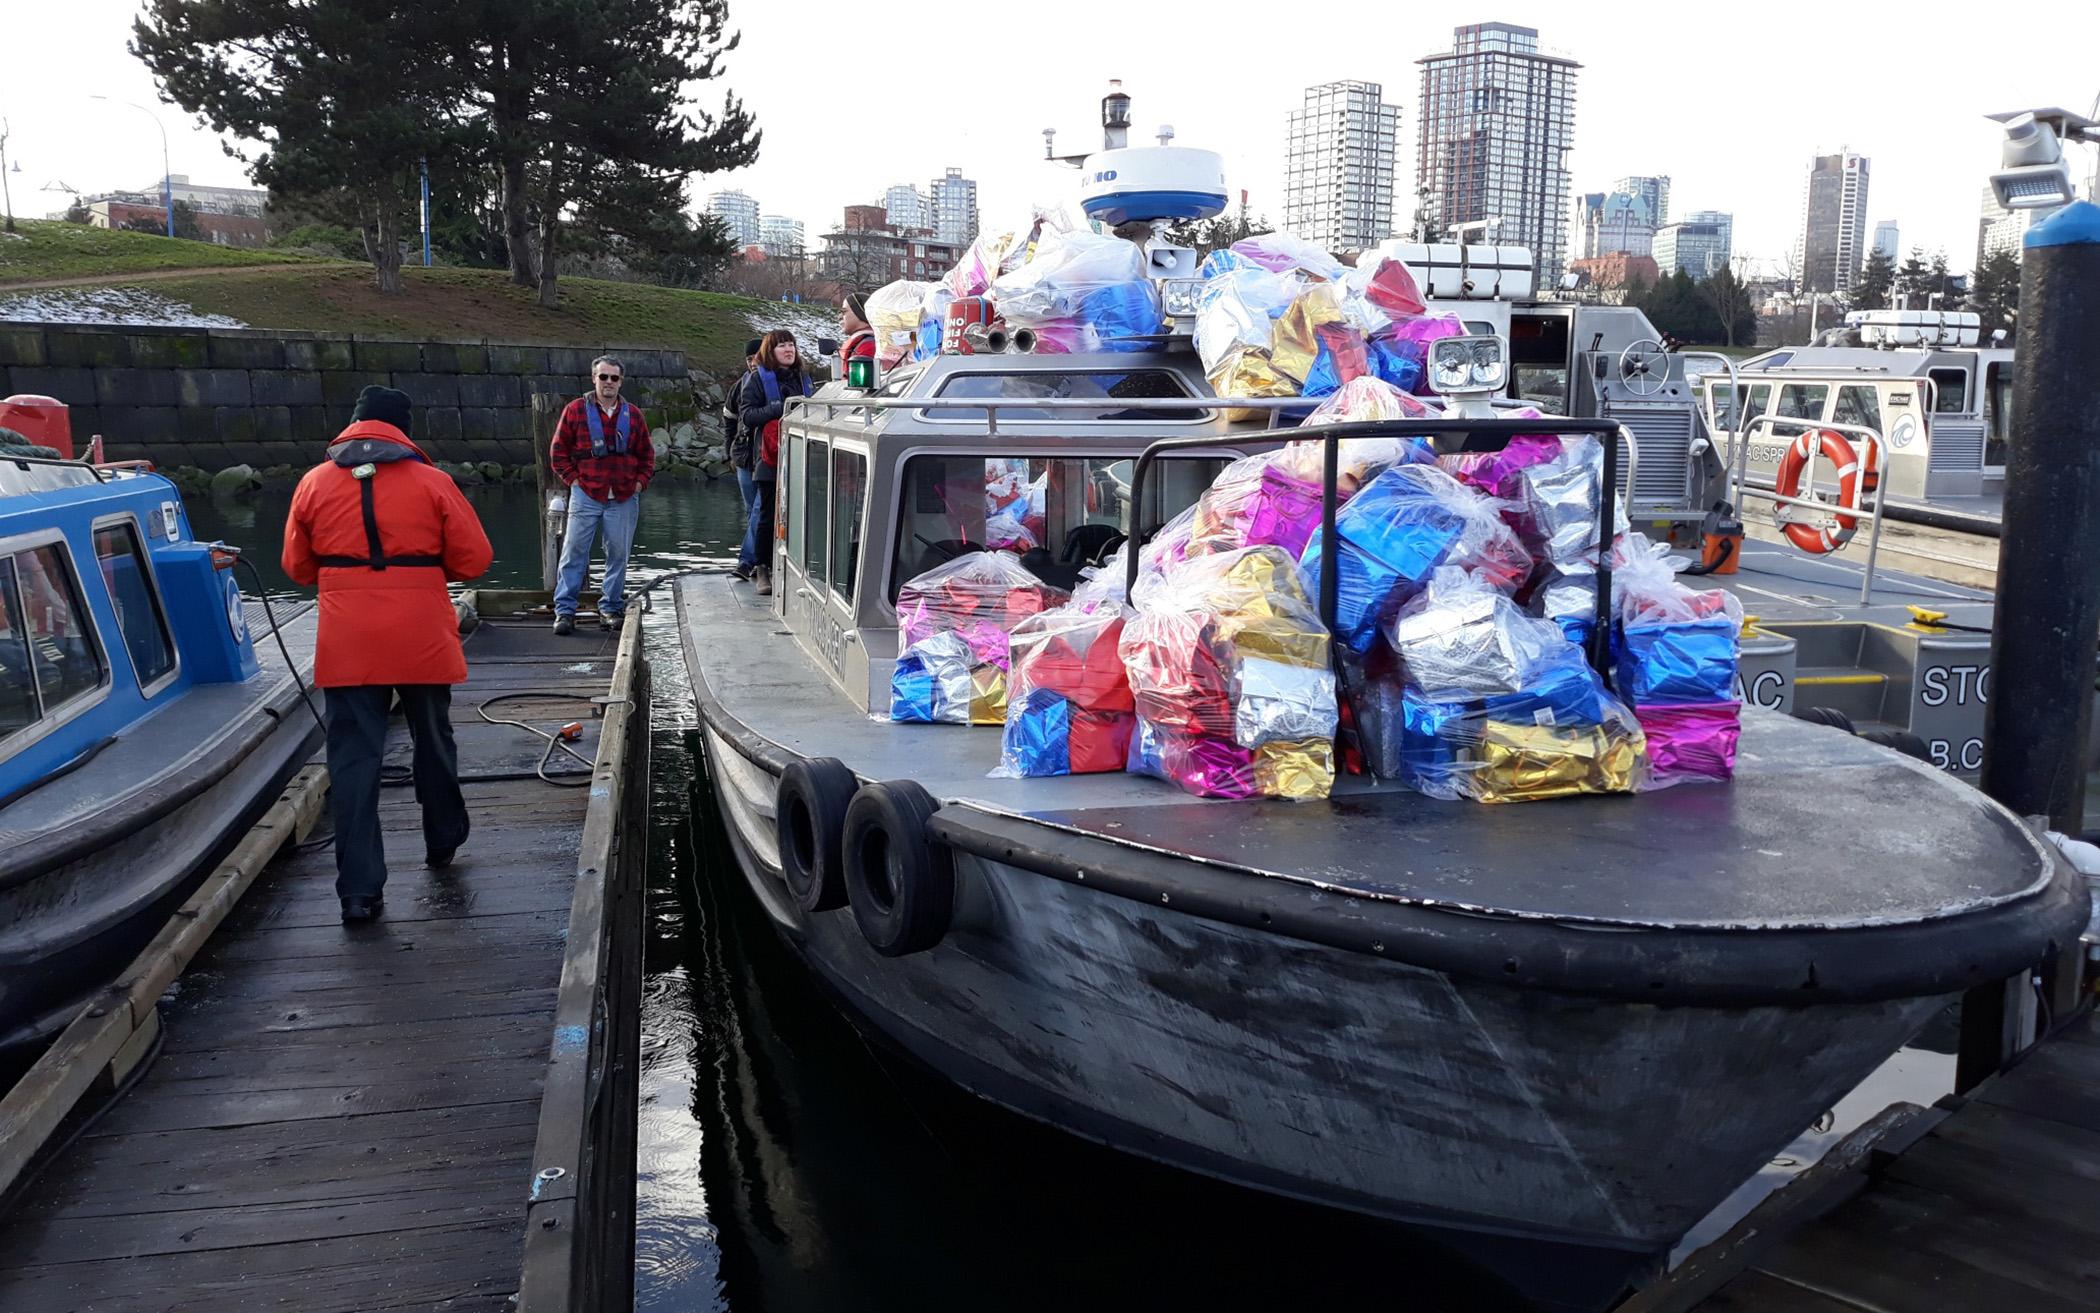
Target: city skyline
<point>1930,158</point>
<point>1341,149</point>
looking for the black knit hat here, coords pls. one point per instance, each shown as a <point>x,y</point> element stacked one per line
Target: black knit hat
<point>387,405</point>
<point>751,348</point>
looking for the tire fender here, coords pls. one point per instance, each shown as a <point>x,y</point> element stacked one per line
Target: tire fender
<point>901,883</point>
<point>809,821</point>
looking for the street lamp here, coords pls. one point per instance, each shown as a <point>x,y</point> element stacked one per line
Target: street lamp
<point>167,181</point>
<point>6,192</point>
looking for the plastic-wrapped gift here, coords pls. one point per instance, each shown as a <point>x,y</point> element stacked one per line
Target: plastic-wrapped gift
<point>1073,653</point>
<point>1280,251</point>
<point>1208,767</point>
<point>1223,261</point>
<point>1296,342</point>
<point>1120,316</point>
<point>1302,770</point>
<point>932,681</point>
<point>1527,763</point>
<point>1248,373</point>
<point>893,313</point>
<point>1462,638</point>
<point>1225,507</point>
<point>1285,512</point>
<point>1342,356</point>
<point>1564,692</point>
<point>1682,661</point>
<point>1176,679</point>
<point>1406,348</point>
<point>1645,590</point>
<point>1557,500</point>
<point>1100,740</point>
<point>1369,398</point>
<point>1427,747</point>
<point>1038,739</point>
<point>1277,702</point>
<point>1690,744</point>
<point>979,264</point>
<point>1142,757</point>
<point>1495,472</point>
<point>987,695</point>
<point>1237,311</point>
<point>1567,596</point>
<point>992,587</point>
<point>1392,363</point>
<point>1386,282</point>
<point>1067,268</point>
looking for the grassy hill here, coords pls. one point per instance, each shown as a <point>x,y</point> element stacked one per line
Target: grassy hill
<point>268,289</point>
<point>45,248</point>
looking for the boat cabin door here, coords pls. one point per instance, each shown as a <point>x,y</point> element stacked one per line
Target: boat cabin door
<point>1542,357</point>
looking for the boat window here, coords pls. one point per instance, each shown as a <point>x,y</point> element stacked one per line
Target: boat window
<point>1998,414</point>
<point>1060,514</point>
<point>816,474</point>
<point>18,707</point>
<point>1859,403</point>
<point>1951,395</point>
<point>789,490</point>
<point>64,660</point>
<point>1135,385</point>
<point>849,492</point>
<point>131,591</point>
<point>1802,400</point>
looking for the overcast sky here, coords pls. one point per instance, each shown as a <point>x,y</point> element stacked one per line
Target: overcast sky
<point>1730,102</point>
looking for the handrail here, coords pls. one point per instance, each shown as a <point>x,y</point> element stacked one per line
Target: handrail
<point>1740,462</point>
<point>1476,435</point>
<point>1874,517</point>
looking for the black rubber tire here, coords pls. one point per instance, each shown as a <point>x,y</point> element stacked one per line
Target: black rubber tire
<point>900,882</point>
<point>809,821</point>
<point>1830,716</point>
<point>1902,740</point>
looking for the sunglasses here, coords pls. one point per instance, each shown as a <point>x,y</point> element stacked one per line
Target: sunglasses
<point>608,378</point>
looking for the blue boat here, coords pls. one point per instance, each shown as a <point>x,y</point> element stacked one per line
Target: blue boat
<point>141,730</point>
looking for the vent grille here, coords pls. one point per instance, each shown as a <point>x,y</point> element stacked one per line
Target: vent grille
<point>1665,438</point>
<point>1957,444</point>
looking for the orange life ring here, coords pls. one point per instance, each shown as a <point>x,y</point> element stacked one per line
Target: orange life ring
<point>1854,479</point>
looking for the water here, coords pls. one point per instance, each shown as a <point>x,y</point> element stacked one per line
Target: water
<point>786,1166</point>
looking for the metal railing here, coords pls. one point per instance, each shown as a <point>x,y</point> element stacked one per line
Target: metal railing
<point>1874,444</point>
<point>1475,435</point>
<point>1734,463</point>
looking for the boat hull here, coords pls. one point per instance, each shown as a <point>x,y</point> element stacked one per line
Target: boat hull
<point>1333,1076</point>
<point>69,930</point>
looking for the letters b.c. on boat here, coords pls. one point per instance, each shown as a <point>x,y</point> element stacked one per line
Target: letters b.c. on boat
<point>1574,1025</point>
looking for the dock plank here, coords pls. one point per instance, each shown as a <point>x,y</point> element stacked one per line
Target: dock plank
<point>1991,1209</point>
<point>344,1117</point>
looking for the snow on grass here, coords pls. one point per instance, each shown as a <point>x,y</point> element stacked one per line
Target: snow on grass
<point>806,322</point>
<point>106,305</point>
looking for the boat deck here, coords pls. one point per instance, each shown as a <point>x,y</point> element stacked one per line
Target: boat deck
<point>1986,1206</point>
<point>343,1117</point>
<point>1937,847</point>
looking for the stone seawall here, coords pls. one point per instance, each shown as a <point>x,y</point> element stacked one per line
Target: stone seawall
<point>215,398</point>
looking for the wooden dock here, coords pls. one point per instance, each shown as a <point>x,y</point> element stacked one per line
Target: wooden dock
<point>373,1117</point>
<point>1988,1203</point>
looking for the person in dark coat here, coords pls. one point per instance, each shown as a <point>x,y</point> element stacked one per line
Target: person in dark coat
<point>380,531</point>
<point>778,375</point>
<point>740,448</point>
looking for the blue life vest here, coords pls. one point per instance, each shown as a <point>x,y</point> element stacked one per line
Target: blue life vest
<point>597,421</point>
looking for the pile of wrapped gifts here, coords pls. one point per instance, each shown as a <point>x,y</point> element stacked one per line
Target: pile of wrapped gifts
<point>1675,653</point>
<point>1069,707</point>
<point>955,622</point>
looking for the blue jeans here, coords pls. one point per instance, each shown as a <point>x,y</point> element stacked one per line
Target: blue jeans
<point>747,488</point>
<point>586,515</point>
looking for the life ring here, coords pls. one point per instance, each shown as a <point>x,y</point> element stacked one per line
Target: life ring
<point>1854,481</point>
<point>809,820</point>
<point>900,882</point>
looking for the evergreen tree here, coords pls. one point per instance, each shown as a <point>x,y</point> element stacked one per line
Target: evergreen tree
<point>1940,283</point>
<point>1870,291</point>
<point>1729,300</point>
<point>346,95</point>
<point>1914,279</point>
<point>1994,292</point>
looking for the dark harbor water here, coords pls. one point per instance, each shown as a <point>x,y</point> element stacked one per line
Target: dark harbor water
<point>786,1165</point>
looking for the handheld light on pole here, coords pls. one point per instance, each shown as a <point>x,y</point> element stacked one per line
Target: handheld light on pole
<point>425,165</point>
<point>167,179</point>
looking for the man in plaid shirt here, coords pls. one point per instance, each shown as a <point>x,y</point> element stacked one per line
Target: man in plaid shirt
<point>602,451</point>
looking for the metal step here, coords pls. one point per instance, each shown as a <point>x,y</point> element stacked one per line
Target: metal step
<point>1860,694</point>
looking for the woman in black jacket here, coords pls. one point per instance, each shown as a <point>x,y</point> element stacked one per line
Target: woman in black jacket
<point>739,443</point>
<point>777,376</point>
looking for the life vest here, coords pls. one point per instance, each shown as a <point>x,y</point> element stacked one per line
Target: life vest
<point>769,440</point>
<point>363,457</point>
<point>860,346</point>
<point>597,423</point>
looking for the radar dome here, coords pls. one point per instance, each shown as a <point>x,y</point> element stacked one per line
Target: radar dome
<point>1142,183</point>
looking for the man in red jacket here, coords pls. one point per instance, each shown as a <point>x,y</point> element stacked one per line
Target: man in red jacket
<point>381,530</point>
<point>601,449</point>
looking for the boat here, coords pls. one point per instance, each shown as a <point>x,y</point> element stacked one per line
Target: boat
<point>141,729</point>
<point>1566,1029</point>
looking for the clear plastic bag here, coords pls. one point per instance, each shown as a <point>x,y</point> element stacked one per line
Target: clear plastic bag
<point>893,312</point>
<point>979,265</point>
<point>933,321</point>
<point>976,599</point>
<point>1296,343</point>
<point>1069,709</point>
<point>1237,311</point>
<point>1229,671</point>
<point>1066,270</point>
<point>1675,645</point>
<point>1280,252</point>
<point>1400,356</point>
<point>1383,289</point>
<point>1369,399</point>
<point>1395,532</point>
<point>1557,498</point>
<point>1462,638</point>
